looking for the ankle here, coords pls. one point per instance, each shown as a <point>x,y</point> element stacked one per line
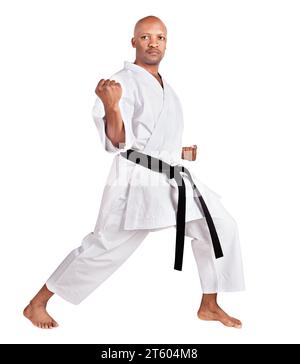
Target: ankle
<point>207,304</point>
<point>38,302</point>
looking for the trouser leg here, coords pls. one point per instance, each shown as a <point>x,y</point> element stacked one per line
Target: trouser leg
<point>87,266</point>
<point>223,274</point>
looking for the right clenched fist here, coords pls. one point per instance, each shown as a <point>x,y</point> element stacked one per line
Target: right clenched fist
<point>109,92</point>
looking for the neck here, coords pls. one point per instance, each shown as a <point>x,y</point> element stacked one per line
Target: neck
<point>152,68</point>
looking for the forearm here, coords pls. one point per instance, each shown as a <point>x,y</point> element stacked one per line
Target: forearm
<point>114,126</point>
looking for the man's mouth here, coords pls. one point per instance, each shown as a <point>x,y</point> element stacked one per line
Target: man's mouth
<point>153,52</point>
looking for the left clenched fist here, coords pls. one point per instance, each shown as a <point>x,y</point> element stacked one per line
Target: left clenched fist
<point>189,153</point>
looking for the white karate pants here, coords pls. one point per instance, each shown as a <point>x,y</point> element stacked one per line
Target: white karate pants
<point>104,250</point>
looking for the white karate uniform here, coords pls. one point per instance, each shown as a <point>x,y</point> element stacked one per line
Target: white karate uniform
<point>137,201</point>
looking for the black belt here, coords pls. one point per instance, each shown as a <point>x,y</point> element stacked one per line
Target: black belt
<point>158,165</point>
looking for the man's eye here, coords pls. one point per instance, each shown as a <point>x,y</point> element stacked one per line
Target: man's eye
<point>146,36</point>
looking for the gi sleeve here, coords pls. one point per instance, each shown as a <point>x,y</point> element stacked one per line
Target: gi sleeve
<point>126,105</point>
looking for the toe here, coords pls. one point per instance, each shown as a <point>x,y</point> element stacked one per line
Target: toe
<point>238,325</point>
<point>54,324</point>
<point>229,323</point>
<point>236,321</point>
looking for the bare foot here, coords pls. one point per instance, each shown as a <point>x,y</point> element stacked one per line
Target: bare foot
<point>38,315</point>
<point>215,313</point>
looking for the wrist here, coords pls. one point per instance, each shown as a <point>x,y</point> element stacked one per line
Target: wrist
<point>111,108</point>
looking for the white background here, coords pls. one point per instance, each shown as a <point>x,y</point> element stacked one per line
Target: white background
<point>235,66</point>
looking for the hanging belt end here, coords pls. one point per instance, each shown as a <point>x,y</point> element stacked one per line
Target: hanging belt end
<point>178,267</point>
<point>219,254</point>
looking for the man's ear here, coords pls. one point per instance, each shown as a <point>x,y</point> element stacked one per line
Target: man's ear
<point>133,42</point>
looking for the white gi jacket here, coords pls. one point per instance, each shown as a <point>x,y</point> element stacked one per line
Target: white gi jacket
<point>153,121</point>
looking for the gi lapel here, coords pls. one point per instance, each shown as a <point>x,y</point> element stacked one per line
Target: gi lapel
<point>155,142</point>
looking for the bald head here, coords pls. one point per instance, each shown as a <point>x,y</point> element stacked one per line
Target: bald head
<point>146,22</point>
<point>150,38</point>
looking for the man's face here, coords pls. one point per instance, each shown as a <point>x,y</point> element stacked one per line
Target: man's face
<point>150,42</point>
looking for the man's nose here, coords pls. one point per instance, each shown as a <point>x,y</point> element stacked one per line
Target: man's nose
<point>153,44</point>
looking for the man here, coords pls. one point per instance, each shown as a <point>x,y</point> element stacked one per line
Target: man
<point>136,110</point>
